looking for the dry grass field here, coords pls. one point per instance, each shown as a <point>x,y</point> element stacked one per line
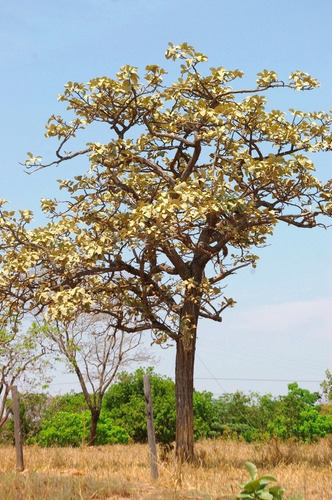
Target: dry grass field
<point>119,472</point>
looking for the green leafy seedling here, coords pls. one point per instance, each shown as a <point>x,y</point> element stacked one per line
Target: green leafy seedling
<point>258,487</point>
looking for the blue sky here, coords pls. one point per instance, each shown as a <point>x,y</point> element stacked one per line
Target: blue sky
<point>281,325</point>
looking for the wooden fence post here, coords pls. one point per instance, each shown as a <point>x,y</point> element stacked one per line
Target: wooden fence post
<point>17,430</point>
<point>150,425</point>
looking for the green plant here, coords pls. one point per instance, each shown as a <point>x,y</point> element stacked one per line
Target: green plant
<point>125,405</point>
<point>72,429</point>
<point>71,402</point>
<point>124,402</point>
<point>258,487</point>
<point>298,415</point>
<point>243,416</point>
<point>204,415</point>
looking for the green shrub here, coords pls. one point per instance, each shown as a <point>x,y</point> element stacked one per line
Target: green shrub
<point>298,416</point>
<point>108,433</point>
<point>241,416</point>
<point>63,429</point>
<point>71,402</point>
<point>125,405</point>
<point>64,420</point>
<point>205,425</point>
<point>72,429</point>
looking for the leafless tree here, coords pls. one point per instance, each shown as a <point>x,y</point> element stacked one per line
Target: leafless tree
<point>95,350</point>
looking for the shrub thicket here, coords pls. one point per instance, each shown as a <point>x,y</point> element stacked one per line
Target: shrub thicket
<point>64,420</point>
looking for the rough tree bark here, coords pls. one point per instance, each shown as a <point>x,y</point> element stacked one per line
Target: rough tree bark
<point>184,383</point>
<point>184,373</point>
<point>95,414</point>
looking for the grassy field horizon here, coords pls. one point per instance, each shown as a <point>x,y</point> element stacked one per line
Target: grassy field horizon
<point>122,471</point>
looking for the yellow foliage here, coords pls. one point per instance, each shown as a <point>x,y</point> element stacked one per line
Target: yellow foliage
<point>194,176</point>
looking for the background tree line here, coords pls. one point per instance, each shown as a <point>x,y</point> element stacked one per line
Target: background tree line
<point>65,420</point>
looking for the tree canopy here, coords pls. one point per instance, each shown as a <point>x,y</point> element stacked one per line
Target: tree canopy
<point>192,177</point>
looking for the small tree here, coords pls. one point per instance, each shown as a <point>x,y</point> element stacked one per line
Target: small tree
<point>22,361</point>
<point>95,351</point>
<point>192,177</point>
<point>326,387</point>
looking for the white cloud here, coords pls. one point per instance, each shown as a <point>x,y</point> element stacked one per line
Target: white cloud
<point>312,316</point>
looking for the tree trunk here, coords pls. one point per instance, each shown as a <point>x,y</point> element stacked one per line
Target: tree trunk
<point>184,376</point>
<point>93,427</point>
<point>184,389</point>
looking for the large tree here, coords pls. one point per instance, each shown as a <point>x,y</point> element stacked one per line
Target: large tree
<point>188,179</point>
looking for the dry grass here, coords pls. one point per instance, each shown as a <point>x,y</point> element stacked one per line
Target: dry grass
<point>120,472</point>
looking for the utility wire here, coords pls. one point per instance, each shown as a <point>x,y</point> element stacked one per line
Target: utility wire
<point>226,379</point>
<point>257,379</point>
<point>222,388</point>
<point>260,354</point>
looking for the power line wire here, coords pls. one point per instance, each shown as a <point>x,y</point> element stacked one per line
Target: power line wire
<point>226,379</point>
<point>257,379</point>
<point>222,388</point>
